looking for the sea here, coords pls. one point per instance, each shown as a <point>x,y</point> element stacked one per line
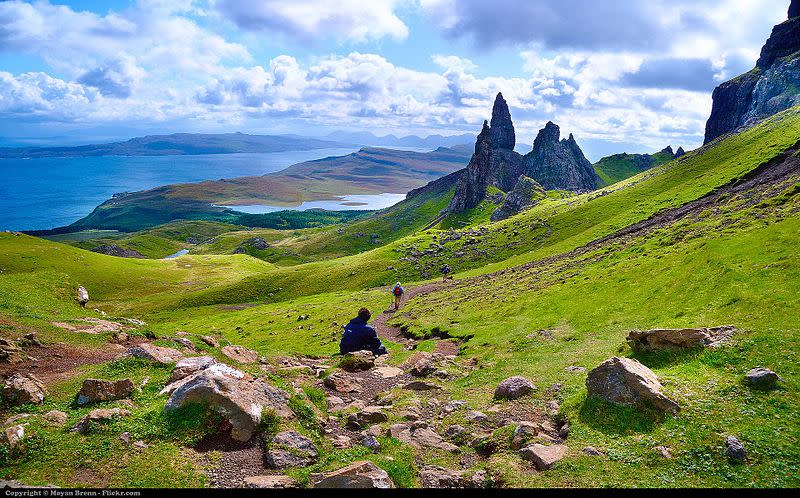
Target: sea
<point>45,193</point>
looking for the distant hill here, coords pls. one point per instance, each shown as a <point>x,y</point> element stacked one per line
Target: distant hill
<point>429,142</point>
<point>368,171</point>
<point>178,144</point>
<point>618,167</point>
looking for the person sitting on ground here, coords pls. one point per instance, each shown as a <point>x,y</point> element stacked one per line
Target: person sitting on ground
<point>397,292</point>
<point>359,336</point>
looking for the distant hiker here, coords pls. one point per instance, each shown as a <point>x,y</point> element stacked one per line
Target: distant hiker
<point>359,336</point>
<point>397,292</point>
<point>83,296</point>
<point>445,272</point>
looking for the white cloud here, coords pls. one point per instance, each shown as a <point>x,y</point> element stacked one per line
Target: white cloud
<point>310,20</point>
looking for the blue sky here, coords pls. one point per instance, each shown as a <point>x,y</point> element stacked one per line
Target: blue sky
<point>621,75</point>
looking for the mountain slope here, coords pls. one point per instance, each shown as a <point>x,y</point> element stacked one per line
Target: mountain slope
<point>617,167</point>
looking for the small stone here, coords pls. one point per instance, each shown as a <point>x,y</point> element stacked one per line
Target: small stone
<point>513,388</point>
<point>98,416</point>
<point>125,437</point>
<point>56,417</point>
<point>575,369</point>
<point>372,443</point>
<point>543,457</point>
<point>387,372</point>
<point>362,474</point>
<point>240,354</point>
<point>591,451</point>
<point>211,341</point>
<point>476,416</point>
<point>664,452</point>
<point>342,442</point>
<point>735,450</point>
<point>524,432</point>
<point>419,385</point>
<point>290,449</point>
<point>452,406</point>
<point>762,378</point>
<point>153,353</point>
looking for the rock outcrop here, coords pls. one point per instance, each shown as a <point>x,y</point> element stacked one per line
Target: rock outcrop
<point>525,194</point>
<point>117,251</point>
<point>513,388</point>
<point>240,354</point>
<point>762,378</point>
<point>543,456</point>
<point>10,352</point>
<point>99,416</point>
<point>765,90</point>
<point>153,353</point>
<point>471,186</point>
<point>559,164</point>
<point>678,339</point>
<point>290,449</point>
<point>625,381</point>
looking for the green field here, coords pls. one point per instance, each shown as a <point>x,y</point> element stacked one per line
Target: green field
<point>562,267</point>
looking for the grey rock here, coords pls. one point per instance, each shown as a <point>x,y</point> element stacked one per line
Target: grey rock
<point>153,353</point>
<point>678,339</point>
<point>543,457</point>
<point>762,378</point>
<point>97,416</point>
<point>591,451</point>
<point>558,164</point>
<point>371,442</point>
<point>357,361</point>
<point>735,450</point>
<point>525,194</point>
<point>513,388</point>
<point>290,449</point>
<point>625,381</point>
<point>96,390</point>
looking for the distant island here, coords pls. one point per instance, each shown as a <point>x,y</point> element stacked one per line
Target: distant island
<point>228,143</point>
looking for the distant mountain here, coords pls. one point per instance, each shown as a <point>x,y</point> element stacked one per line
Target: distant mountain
<point>178,144</point>
<point>770,87</point>
<point>618,167</point>
<point>431,141</point>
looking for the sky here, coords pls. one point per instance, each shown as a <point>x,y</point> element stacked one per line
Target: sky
<point>620,75</point>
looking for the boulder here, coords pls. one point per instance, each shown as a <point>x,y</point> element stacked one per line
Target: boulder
<point>371,442</point>
<point>184,342</point>
<point>678,339</point>
<point>23,390</point>
<point>625,381</point>
<point>476,416</point>
<point>270,482</point>
<point>10,352</point>
<point>239,397</point>
<point>418,385</point>
<point>591,451</point>
<point>150,352</point>
<point>422,365</point>
<point>361,474</point>
<point>29,340</point>
<point>342,383</point>
<point>94,390</point>
<point>523,433</point>
<point>513,388</point>
<point>357,361</point>
<point>11,436</point>
<point>543,457</point>
<point>387,372</point>
<point>290,449</point>
<point>762,378</point>
<point>56,417</point>
<point>240,354</point>
<point>188,366</point>
<point>419,435</point>
<point>100,415</point>
<point>214,344</point>
<point>734,449</point>
<point>371,415</point>
<point>83,296</point>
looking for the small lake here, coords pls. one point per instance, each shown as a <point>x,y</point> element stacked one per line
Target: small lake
<point>344,203</point>
<point>175,255</point>
<point>43,193</point>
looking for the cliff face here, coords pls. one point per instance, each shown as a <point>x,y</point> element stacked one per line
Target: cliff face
<point>471,186</point>
<point>559,164</point>
<point>770,87</point>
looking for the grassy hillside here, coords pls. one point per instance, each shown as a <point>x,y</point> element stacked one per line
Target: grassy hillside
<point>557,286</point>
<point>618,167</point>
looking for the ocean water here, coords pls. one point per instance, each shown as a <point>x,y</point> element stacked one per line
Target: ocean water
<point>39,194</point>
<point>344,203</point>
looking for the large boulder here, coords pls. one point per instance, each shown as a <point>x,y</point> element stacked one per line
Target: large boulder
<point>542,456</point>
<point>625,381</point>
<point>23,390</point>
<point>94,390</point>
<point>421,364</point>
<point>513,388</point>
<point>239,397</point>
<point>762,378</point>
<point>678,339</point>
<point>290,449</point>
<point>240,354</point>
<point>342,383</point>
<point>361,474</point>
<point>150,352</point>
<point>11,436</point>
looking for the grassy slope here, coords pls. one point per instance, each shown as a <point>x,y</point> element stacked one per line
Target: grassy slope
<point>707,272</point>
<point>618,167</point>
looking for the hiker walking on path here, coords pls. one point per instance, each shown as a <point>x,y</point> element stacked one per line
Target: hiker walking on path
<point>397,292</point>
<point>359,336</point>
<point>446,272</point>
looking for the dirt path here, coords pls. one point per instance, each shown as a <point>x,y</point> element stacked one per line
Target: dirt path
<point>387,332</point>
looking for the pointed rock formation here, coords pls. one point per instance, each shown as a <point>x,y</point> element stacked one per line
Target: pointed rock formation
<point>559,164</point>
<point>471,187</point>
<point>502,129</point>
<point>765,90</point>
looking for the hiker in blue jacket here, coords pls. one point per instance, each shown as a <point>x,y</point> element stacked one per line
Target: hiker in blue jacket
<point>360,336</point>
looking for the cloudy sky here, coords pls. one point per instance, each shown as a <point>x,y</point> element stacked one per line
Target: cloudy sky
<point>631,75</point>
